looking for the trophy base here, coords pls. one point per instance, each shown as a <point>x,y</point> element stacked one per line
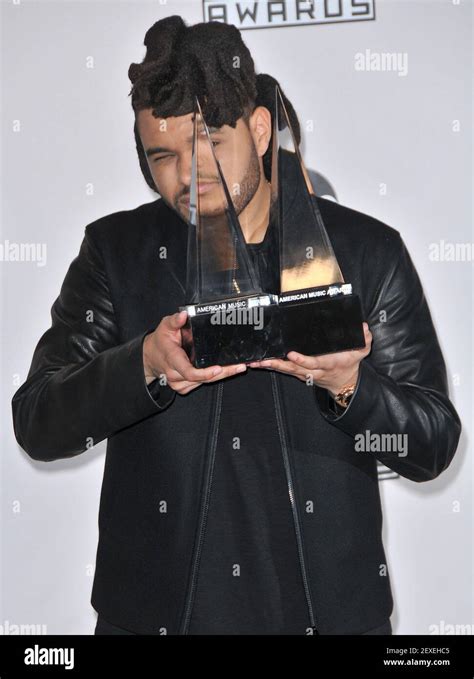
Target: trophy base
<point>321,325</point>
<point>232,331</point>
<point>316,321</point>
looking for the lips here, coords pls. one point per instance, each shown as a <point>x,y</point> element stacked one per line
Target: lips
<point>202,188</point>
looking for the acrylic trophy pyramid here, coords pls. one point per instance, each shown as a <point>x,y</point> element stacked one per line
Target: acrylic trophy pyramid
<point>317,310</point>
<point>231,319</point>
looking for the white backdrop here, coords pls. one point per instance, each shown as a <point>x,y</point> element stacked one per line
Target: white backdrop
<point>394,142</point>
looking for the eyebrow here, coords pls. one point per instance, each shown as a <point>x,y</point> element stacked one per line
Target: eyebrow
<point>162,149</point>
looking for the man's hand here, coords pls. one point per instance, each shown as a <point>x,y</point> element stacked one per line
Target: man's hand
<point>330,371</point>
<point>163,356</point>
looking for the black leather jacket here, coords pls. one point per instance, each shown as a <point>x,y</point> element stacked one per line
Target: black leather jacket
<point>86,384</point>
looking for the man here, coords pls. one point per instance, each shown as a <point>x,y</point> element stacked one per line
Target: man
<point>237,499</point>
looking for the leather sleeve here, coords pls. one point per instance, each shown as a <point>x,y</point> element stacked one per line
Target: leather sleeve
<point>83,384</point>
<point>402,384</point>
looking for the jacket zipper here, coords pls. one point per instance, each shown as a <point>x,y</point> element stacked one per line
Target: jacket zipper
<point>205,508</point>
<point>291,493</point>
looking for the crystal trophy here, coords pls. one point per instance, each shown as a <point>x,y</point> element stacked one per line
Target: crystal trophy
<point>319,314</point>
<point>230,318</point>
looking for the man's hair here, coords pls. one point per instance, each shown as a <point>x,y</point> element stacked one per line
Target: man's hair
<point>207,60</point>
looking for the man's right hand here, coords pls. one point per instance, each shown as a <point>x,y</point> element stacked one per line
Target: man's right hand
<point>163,356</point>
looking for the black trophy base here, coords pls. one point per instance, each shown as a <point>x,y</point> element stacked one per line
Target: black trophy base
<point>321,326</point>
<point>232,331</point>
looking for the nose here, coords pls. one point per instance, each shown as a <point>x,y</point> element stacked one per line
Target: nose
<point>206,169</point>
<point>185,168</point>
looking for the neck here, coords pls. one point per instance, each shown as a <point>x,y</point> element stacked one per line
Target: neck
<point>255,217</point>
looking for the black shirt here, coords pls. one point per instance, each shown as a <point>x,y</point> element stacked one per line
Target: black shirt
<point>249,580</point>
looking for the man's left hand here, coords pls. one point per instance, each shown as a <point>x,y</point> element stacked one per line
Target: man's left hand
<point>330,371</point>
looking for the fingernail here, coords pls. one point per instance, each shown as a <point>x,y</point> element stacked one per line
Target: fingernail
<point>216,371</point>
<point>241,368</point>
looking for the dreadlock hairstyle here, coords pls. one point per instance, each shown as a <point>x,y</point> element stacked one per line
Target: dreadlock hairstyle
<point>207,60</point>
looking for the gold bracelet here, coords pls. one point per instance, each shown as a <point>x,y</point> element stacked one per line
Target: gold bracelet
<point>344,395</point>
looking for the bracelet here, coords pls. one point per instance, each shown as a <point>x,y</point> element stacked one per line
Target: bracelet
<point>345,394</point>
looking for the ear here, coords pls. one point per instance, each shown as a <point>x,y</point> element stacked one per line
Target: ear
<point>260,125</point>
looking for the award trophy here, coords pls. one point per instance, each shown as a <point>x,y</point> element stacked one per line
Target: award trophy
<point>318,312</point>
<point>230,318</point>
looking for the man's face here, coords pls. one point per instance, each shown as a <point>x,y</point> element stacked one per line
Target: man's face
<point>168,147</point>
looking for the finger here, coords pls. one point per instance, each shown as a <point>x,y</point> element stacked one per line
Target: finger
<point>309,362</point>
<point>279,365</point>
<point>178,319</point>
<point>187,371</point>
<point>228,371</point>
<point>225,371</point>
<point>179,361</point>
<point>326,362</point>
<point>265,363</point>
<point>185,387</point>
